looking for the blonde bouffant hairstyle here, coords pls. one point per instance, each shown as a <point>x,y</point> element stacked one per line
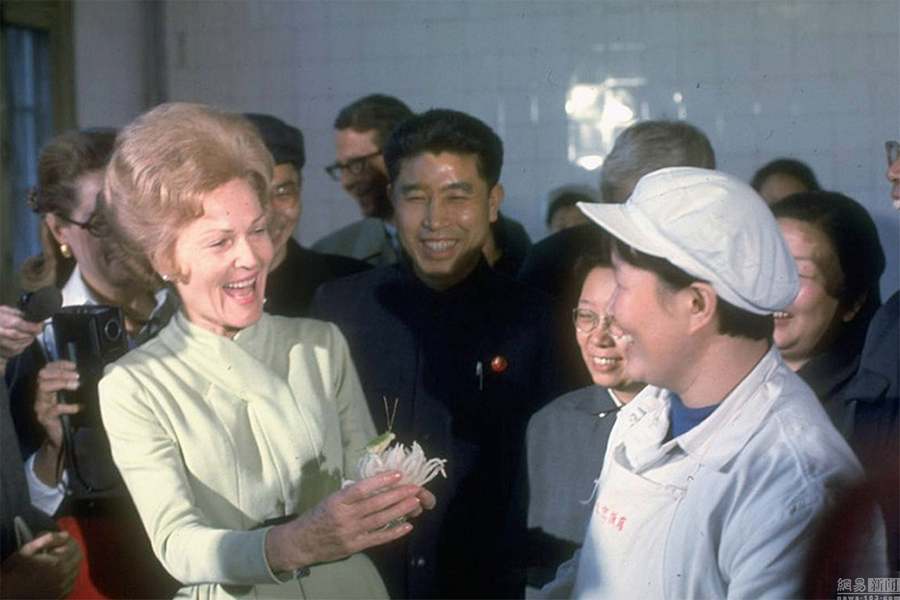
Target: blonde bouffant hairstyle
<point>164,164</point>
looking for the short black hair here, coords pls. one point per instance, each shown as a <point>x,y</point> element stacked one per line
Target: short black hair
<point>792,167</point>
<point>599,255</point>
<point>377,112</point>
<point>284,142</point>
<point>853,235</point>
<point>443,130</point>
<point>733,321</point>
<point>567,196</point>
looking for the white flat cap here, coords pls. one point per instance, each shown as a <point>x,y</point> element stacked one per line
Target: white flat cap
<point>712,226</point>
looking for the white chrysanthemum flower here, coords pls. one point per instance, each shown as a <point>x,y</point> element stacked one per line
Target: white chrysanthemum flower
<point>416,469</point>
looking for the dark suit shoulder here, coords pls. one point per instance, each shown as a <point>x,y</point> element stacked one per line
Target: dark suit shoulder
<point>353,290</point>
<point>586,402</point>
<point>880,352</point>
<point>342,266</point>
<point>368,279</point>
<point>549,263</point>
<point>335,265</point>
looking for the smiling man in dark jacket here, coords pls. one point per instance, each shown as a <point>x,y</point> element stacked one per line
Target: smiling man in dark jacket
<point>464,349</point>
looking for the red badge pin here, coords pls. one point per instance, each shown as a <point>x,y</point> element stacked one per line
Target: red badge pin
<point>499,364</point>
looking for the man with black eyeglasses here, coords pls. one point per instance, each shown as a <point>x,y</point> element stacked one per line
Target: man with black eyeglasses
<point>296,272</point>
<point>361,128</point>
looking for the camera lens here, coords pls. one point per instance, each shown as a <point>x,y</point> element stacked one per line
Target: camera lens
<point>112,330</point>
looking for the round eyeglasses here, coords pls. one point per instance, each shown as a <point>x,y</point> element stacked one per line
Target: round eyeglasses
<point>586,320</point>
<point>93,225</point>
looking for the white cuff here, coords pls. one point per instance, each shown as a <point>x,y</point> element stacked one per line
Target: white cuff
<point>43,497</point>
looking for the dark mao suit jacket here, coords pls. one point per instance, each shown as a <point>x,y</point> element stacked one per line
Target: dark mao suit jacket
<point>469,366</point>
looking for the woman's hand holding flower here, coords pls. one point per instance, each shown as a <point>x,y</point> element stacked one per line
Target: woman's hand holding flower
<point>346,522</point>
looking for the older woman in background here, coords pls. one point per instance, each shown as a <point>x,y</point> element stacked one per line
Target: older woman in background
<point>840,261</point>
<point>233,429</point>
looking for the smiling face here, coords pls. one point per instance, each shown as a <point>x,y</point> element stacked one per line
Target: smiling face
<point>369,186</point>
<point>443,210</point>
<point>652,322</point>
<point>285,206</point>
<point>221,260</point>
<point>603,354</point>
<point>808,325</point>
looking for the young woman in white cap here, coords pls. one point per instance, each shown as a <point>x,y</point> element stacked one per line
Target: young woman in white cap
<point>716,472</point>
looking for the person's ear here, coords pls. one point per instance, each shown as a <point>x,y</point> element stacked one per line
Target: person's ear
<point>57,228</point>
<point>702,303</point>
<point>495,199</point>
<point>849,313</point>
<point>164,263</point>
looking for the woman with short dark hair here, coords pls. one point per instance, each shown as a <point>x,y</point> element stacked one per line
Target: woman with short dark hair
<point>840,260</point>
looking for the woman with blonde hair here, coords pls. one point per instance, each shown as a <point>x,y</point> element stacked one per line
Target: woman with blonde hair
<point>232,429</point>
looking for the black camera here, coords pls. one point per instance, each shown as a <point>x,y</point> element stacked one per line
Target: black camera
<point>91,336</point>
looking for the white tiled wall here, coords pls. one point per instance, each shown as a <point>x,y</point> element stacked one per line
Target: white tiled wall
<point>109,44</point>
<point>815,79</point>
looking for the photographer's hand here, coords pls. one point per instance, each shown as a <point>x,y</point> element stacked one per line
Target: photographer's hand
<point>45,567</point>
<point>15,332</point>
<point>54,377</point>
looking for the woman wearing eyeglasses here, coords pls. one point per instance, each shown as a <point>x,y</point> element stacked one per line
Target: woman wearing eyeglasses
<point>79,259</point>
<point>567,438</point>
<point>69,171</point>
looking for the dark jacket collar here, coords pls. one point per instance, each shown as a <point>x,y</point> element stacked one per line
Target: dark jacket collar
<point>596,402</point>
<point>830,371</point>
<point>472,286</point>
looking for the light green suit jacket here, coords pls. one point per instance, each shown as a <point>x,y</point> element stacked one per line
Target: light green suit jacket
<point>214,436</point>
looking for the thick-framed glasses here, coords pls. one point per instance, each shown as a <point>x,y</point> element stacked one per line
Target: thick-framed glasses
<point>586,321</point>
<point>93,225</point>
<point>354,166</point>
<point>893,151</point>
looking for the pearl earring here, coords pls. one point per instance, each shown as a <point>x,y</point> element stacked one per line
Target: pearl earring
<point>65,250</point>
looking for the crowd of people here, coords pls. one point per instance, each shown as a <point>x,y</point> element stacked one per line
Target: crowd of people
<point>678,393</point>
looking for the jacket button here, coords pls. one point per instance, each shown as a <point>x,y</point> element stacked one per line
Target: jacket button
<point>417,561</point>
